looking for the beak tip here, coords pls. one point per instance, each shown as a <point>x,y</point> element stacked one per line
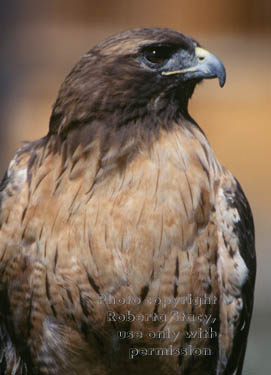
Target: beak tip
<point>222,77</point>
<point>222,81</point>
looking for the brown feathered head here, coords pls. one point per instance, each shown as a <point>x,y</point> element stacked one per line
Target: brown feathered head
<point>145,75</point>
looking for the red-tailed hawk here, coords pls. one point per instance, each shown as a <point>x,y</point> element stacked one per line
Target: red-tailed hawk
<point>125,246</point>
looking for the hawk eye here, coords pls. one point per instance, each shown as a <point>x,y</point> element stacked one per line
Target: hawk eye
<point>158,54</point>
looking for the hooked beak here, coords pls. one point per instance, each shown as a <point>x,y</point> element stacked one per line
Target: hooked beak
<point>207,66</point>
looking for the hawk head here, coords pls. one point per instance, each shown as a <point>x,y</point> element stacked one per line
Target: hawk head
<point>145,74</point>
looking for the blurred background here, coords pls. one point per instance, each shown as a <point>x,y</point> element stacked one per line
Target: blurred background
<point>41,41</point>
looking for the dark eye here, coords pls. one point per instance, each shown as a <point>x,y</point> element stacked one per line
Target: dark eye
<point>158,54</point>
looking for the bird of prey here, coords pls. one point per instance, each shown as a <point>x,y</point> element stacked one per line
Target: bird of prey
<point>125,246</point>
